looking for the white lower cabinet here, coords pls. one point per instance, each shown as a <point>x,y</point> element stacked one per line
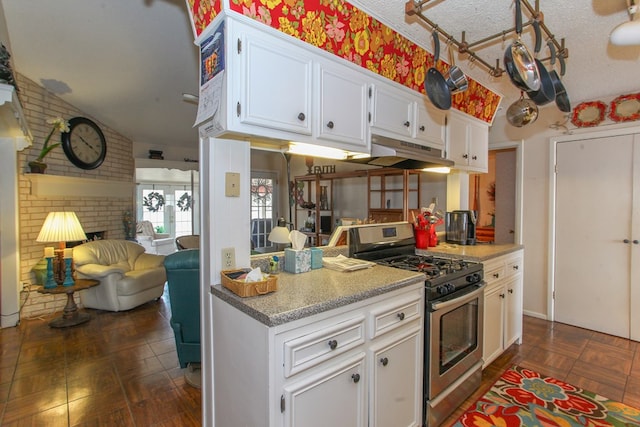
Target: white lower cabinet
<point>502,304</point>
<point>332,396</point>
<point>358,365</point>
<point>394,383</point>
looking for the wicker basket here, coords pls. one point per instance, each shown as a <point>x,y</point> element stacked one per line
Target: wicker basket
<point>248,289</point>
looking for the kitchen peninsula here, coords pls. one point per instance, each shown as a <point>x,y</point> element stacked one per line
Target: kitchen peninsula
<point>327,348</point>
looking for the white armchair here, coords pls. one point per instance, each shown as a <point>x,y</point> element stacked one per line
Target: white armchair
<point>154,243</point>
<point>128,276</point>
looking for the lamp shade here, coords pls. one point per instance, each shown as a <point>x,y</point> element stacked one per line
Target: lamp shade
<point>626,34</point>
<point>61,227</point>
<point>280,233</point>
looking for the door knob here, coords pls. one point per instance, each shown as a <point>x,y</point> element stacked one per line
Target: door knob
<point>330,125</point>
<point>301,117</point>
<point>333,344</point>
<point>635,242</point>
<point>625,241</point>
<point>384,361</point>
<point>355,377</point>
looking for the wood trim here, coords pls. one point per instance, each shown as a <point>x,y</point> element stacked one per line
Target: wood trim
<point>43,185</point>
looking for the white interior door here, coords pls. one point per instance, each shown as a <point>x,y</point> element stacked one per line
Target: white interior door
<point>594,187</point>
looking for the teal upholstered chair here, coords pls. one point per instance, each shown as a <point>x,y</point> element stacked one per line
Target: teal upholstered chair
<point>183,279</point>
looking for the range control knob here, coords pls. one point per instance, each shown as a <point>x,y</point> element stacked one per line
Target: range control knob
<point>442,290</point>
<point>450,287</point>
<point>475,277</point>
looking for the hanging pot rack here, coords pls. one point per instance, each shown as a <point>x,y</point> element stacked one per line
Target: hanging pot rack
<point>415,8</point>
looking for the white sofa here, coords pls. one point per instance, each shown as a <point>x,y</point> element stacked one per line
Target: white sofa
<point>154,243</point>
<point>128,276</point>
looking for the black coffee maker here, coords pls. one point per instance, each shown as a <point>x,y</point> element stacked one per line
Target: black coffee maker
<point>460,227</point>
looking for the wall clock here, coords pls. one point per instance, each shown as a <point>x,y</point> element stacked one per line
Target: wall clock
<point>84,144</point>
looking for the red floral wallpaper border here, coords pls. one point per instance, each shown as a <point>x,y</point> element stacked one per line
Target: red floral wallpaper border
<point>340,28</point>
<point>203,12</point>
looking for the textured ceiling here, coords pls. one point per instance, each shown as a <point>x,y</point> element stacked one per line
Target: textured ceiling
<point>127,62</point>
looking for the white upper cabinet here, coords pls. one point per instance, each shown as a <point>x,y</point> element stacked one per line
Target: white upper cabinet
<point>282,89</point>
<point>430,125</point>
<point>342,109</point>
<point>467,142</point>
<point>273,84</point>
<point>392,112</point>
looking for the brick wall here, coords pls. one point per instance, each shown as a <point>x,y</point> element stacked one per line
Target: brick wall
<point>95,213</point>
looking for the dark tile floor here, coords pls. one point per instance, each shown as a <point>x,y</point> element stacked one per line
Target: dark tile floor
<point>121,369</point>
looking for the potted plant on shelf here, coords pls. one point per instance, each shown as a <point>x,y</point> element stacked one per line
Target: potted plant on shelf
<point>58,124</point>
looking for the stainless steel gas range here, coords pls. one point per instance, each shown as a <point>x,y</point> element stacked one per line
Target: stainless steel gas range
<point>454,304</point>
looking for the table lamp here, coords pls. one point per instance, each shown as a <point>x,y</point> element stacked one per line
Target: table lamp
<point>279,233</point>
<point>61,227</point>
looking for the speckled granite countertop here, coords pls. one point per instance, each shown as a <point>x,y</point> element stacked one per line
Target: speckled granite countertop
<point>305,294</point>
<point>481,252</point>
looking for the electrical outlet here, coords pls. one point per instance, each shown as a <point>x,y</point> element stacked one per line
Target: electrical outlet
<point>228,258</point>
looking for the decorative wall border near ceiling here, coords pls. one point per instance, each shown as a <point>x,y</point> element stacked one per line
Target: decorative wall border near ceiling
<point>345,31</point>
<point>624,108</point>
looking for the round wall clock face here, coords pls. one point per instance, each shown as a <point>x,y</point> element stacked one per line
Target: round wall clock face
<point>84,144</point>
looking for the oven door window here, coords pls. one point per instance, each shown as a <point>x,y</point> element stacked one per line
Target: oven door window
<point>458,334</point>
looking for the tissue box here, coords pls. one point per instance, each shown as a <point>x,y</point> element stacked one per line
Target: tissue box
<point>316,258</point>
<point>297,261</point>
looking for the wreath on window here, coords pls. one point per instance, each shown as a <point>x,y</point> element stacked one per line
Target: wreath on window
<point>184,202</point>
<point>153,202</point>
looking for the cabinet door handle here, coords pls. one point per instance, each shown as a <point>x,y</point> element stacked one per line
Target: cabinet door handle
<point>401,316</point>
<point>301,117</point>
<point>516,267</point>
<point>510,291</point>
<point>496,275</point>
<point>422,128</point>
<point>635,242</point>
<point>465,156</point>
<point>474,157</point>
<point>407,123</point>
<point>355,377</point>
<point>384,361</point>
<point>333,344</point>
<point>501,295</point>
<point>330,125</point>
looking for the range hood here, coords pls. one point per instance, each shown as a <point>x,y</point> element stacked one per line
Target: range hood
<point>393,153</point>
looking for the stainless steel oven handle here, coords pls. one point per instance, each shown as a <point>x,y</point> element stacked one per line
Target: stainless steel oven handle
<point>477,289</point>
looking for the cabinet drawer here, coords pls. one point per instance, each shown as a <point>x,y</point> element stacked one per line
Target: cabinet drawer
<point>494,273</point>
<point>315,347</point>
<point>513,267</point>
<point>387,317</point>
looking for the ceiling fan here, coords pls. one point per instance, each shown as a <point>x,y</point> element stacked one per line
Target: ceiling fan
<point>627,33</point>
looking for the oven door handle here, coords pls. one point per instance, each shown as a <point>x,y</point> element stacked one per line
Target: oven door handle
<point>478,288</point>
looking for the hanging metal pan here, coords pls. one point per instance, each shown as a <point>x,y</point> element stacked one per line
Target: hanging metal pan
<point>547,92</point>
<point>562,99</point>
<point>522,112</point>
<point>435,84</point>
<point>520,65</point>
<point>456,79</point>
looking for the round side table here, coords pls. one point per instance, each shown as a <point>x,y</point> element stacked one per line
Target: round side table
<point>70,315</point>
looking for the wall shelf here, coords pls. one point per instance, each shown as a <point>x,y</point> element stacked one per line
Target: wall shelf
<point>43,185</point>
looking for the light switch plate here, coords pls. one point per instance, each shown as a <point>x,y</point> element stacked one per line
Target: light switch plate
<point>232,184</point>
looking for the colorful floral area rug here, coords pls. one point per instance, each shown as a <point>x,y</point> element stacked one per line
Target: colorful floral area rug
<point>522,397</point>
